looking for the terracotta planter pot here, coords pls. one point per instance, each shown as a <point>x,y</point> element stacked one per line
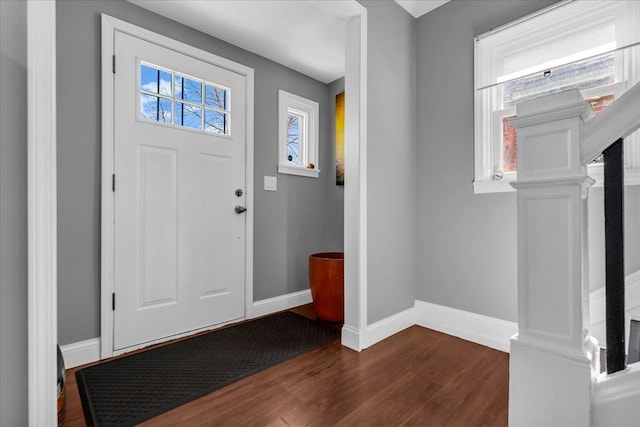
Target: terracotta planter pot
<point>326,276</point>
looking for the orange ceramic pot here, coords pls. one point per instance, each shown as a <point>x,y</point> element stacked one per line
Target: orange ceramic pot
<point>326,276</point>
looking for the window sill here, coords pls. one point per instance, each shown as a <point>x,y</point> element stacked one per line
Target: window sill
<point>631,178</point>
<point>501,186</point>
<point>298,170</point>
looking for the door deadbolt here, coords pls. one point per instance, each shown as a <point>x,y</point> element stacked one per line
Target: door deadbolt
<point>240,209</point>
<point>239,192</point>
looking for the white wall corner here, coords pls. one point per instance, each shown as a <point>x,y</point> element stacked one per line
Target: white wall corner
<point>484,330</point>
<point>81,353</point>
<point>279,303</point>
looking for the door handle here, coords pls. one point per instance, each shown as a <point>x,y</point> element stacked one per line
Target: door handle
<point>240,209</point>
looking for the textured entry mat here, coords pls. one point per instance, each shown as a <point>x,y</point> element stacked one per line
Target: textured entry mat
<point>132,389</point>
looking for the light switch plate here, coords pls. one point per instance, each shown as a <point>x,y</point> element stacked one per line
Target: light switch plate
<point>270,183</point>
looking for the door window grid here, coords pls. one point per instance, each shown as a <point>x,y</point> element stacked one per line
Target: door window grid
<point>171,97</point>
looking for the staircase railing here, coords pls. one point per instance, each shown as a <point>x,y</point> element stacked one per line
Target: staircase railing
<point>618,120</point>
<point>614,255</point>
<point>615,123</point>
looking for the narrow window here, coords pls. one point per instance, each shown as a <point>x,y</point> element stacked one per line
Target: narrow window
<point>295,137</point>
<point>298,135</point>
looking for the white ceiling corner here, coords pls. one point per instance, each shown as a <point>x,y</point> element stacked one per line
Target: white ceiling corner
<point>417,8</point>
<point>303,35</point>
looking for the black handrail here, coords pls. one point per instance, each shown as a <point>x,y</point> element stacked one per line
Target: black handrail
<point>614,254</point>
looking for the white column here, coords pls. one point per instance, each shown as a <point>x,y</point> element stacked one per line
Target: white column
<point>355,188</point>
<point>553,358</point>
<point>42,232</point>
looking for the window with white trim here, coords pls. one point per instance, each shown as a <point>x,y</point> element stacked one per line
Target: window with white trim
<point>170,97</point>
<point>593,46</point>
<point>298,135</point>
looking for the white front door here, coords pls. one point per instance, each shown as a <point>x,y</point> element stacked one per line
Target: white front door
<point>179,173</point>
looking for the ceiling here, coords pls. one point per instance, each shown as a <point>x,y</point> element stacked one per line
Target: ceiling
<point>417,8</point>
<point>305,35</point>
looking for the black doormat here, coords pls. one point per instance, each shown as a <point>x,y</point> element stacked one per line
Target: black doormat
<point>132,389</point>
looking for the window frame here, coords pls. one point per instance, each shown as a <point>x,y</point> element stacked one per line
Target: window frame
<point>173,100</point>
<point>309,137</point>
<point>488,150</point>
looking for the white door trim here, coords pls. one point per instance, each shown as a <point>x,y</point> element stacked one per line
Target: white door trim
<point>109,26</point>
<point>42,220</point>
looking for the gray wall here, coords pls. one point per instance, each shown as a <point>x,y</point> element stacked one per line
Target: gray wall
<point>466,242</point>
<point>391,159</point>
<point>289,224</point>
<point>13,213</point>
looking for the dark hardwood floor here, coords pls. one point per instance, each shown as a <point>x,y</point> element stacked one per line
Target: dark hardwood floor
<point>417,377</point>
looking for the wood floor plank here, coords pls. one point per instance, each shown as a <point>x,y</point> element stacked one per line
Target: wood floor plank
<point>394,406</point>
<point>417,377</point>
<point>492,382</point>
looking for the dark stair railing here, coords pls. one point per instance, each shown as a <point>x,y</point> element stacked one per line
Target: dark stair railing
<point>614,254</point>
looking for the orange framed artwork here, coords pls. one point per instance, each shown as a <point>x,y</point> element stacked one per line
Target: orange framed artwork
<point>340,139</point>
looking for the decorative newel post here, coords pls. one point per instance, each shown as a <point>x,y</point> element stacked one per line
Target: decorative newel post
<point>553,358</point>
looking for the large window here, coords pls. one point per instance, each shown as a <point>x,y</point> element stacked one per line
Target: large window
<point>298,135</point>
<point>593,46</point>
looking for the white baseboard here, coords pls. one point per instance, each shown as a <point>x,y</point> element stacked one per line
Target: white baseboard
<point>474,327</point>
<point>391,325</point>
<point>359,340</point>
<point>351,338</point>
<point>484,330</point>
<point>488,331</point>
<point>81,353</point>
<point>282,302</point>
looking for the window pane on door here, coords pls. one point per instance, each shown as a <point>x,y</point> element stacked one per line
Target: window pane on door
<point>188,115</point>
<point>155,108</point>
<point>188,89</point>
<point>216,122</point>
<point>155,81</point>
<point>215,97</point>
